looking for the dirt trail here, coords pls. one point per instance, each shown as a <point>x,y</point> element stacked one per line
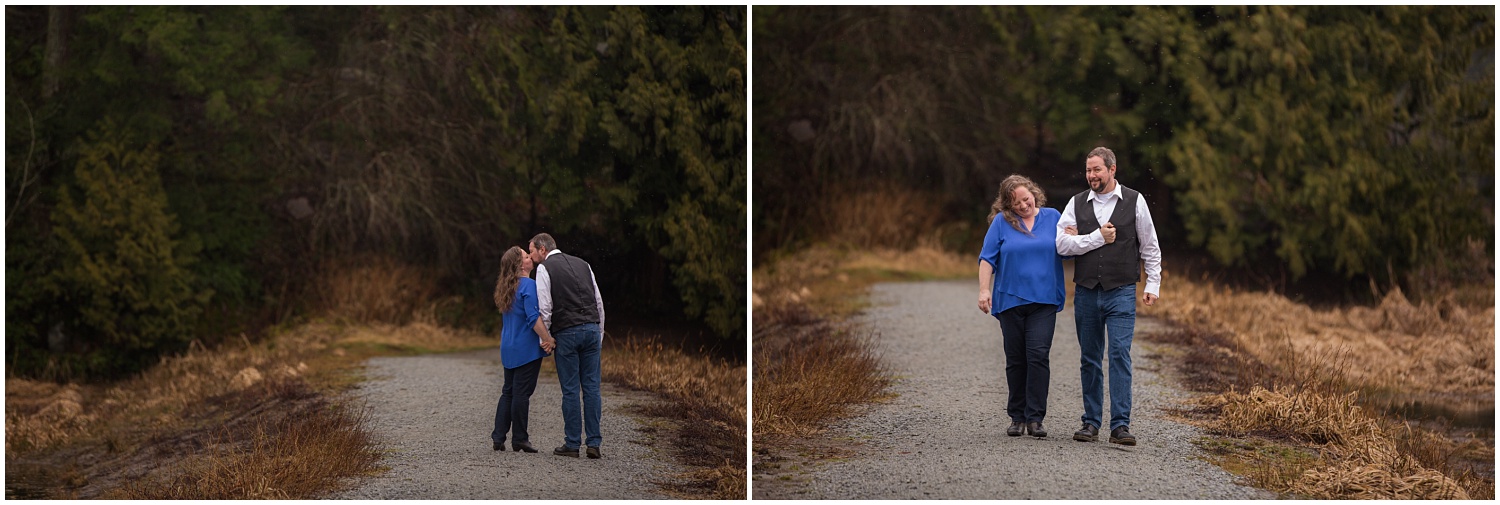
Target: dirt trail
<point>433,415</point>
<point>943,436</point>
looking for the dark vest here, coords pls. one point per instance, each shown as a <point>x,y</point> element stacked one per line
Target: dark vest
<point>572,292</point>
<point>1116,264</point>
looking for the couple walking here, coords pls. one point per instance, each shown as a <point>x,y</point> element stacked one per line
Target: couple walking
<point>1107,230</point>
<point>560,311</point>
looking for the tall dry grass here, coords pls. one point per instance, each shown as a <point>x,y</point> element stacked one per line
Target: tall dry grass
<point>373,289</point>
<point>707,398</point>
<point>1361,455</point>
<point>809,371</point>
<point>1439,350</point>
<point>295,452</point>
<point>1283,370</point>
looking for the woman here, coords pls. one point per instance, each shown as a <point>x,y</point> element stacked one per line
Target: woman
<point>523,340</point>
<point>1021,284</point>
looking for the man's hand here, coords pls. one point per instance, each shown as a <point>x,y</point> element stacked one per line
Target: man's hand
<point>984,301</point>
<point>548,344</point>
<point>1149,299</point>
<point>1070,230</point>
<point>1108,230</point>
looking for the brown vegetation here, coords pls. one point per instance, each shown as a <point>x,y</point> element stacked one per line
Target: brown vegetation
<point>1294,381</point>
<point>707,398</point>
<point>1440,349</point>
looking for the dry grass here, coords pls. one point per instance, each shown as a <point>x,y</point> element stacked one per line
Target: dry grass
<point>124,426</point>
<point>1361,455</point>
<point>290,441</point>
<point>1438,350</point>
<point>1297,377</point>
<point>373,289</point>
<point>880,216</point>
<point>809,372</point>
<point>294,452</point>
<point>707,398</point>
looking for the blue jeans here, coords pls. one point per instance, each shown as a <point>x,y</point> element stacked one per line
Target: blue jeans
<point>577,357</point>
<point>1027,336</point>
<point>514,409</point>
<point>1094,311</point>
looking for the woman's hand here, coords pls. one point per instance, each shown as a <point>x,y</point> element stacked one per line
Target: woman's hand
<point>1070,230</point>
<point>984,301</point>
<point>548,344</point>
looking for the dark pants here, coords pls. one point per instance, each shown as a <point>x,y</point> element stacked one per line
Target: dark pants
<point>1027,330</point>
<point>515,402</point>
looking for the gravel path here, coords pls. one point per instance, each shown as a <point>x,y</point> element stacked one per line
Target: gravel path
<point>433,415</point>
<point>943,436</point>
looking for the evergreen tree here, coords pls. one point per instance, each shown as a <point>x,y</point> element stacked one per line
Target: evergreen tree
<point>123,273</point>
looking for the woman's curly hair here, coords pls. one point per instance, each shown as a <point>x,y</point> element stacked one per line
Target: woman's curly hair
<point>1006,200</point>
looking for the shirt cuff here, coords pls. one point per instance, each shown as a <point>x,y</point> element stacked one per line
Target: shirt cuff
<point>1154,288</point>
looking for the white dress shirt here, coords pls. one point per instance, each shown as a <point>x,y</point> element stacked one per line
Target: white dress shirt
<point>544,294</point>
<point>1104,207</point>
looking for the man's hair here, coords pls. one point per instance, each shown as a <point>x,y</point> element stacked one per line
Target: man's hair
<point>1104,154</point>
<point>544,242</point>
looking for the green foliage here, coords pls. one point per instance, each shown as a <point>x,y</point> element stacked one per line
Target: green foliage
<point>123,272</point>
<point>1338,140</point>
<point>639,112</point>
<point>679,120</point>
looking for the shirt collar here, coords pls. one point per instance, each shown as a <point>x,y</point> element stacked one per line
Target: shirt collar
<point>552,252</point>
<point>1104,196</point>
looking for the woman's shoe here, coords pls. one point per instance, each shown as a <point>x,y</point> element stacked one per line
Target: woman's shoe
<point>1036,430</point>
<point>1016,429</point>
<point>522,446</point>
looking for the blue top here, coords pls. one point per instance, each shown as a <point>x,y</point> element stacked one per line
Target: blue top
<point>1027,269</point>
<point>519,343</point>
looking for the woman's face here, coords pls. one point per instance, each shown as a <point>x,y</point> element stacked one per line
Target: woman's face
<point>1023,203</point>
<point>526,264</point>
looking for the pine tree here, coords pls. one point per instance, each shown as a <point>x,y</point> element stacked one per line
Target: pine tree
<point>123,272</point>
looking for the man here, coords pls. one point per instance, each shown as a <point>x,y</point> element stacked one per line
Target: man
<point>1105,271</point>
<point>573,311</point>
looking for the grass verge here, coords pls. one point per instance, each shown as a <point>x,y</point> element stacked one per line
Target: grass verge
<point>1286,383</point>
<point>244,420</point>
<point>812,366</point>
<point>706,398</point>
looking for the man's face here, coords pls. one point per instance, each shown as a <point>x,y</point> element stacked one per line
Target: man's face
<point>1098,175</point>
<point>536,255</point>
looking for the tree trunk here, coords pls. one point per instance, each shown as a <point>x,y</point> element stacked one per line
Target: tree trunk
<point>59,28</point>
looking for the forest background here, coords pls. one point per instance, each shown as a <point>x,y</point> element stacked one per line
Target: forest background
<point>200,173</point>
<point>1327,146</point>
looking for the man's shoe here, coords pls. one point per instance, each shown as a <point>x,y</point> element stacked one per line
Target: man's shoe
<point>1121,436</point>
<point>1016,429</point>
<point>1036,430</point>
<point>522,446</point>
<point>594,453</point>
<point>563,450</point>
<point>499,446</point>
<point>1089,433</point>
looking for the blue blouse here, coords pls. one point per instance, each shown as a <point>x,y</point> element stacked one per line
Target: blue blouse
<point>519,343</point>
<point>1027,269</point>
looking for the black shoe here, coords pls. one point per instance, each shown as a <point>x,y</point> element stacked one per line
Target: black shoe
<point>563,450</point>
<point>1089,433</point>
<point>1016,429</point>
<point>594,453</point>
<point>1036,430</point>
<point>522,446</point>
<point>499,446</point>
<point>1121,436</point>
